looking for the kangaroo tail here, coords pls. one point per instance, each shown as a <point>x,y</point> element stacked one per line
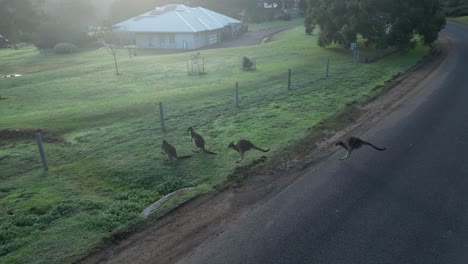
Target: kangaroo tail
<point>263,150</point>
<point>377,148</point>
<point>207,151</point>
<point>185,157</point>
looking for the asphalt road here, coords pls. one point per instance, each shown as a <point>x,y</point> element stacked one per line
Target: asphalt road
<point>408,204</point>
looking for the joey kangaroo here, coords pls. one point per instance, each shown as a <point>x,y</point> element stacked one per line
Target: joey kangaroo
<point>244,145</point>
<point>353,143</point>
<point>198,140</point>
<point>170,151</point>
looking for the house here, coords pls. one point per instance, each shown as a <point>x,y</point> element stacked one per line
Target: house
<point>179,27</point>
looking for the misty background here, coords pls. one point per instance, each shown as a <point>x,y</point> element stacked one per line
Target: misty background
<point>45,23</point>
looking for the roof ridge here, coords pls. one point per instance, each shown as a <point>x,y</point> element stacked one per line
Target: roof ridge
<point>188,24</point>
<point>208,14</point>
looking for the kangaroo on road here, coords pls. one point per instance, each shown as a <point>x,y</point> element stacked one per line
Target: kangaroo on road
<point>354,143</point>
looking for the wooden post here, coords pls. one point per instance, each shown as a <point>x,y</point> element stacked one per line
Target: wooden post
<point>203,65</point>
<point>289,79</point>
<point>41,151</point>
<point>237,95</point>
<point>161,116</point>
<point>328,67</point>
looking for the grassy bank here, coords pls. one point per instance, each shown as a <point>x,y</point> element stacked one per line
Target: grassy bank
<point>109,167</point>
<point>463,19</point>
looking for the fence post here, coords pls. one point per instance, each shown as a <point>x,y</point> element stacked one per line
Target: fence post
<point>237,94</point>
<point>161,116</point>
<point>289,79</point>
<point>41,151</point>
<point>328,67</point>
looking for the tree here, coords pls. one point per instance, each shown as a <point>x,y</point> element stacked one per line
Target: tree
<point>111,42</point>
<point>303,7</point>
<point>121,10</point>
<point>381,23</point>
<point>18,20</point>
<point>64,21</point>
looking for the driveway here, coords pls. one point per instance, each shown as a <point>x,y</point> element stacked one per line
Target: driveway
<point>250,38</point>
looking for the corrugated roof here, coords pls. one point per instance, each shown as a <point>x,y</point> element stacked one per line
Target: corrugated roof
<point>176,18</point>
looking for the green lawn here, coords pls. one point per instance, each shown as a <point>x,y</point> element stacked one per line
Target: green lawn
<point>463,19</point>
<point>110,168</point>
<point>276,23</point>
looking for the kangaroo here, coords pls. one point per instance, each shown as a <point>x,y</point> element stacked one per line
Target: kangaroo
<point>170,151</point>
<point>198,140</point>
<point>354,143</point>
<point>244,145</point>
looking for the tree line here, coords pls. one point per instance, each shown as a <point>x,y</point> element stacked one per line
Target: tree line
<point>381,23</point>
<point>46,22</point>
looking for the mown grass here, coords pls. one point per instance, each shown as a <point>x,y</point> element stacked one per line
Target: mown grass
<point>463,19</point>
<point>110,167</point>
<point>276,23</point>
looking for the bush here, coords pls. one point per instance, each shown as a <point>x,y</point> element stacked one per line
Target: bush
<point>65,48</point>
<point>285,16</point>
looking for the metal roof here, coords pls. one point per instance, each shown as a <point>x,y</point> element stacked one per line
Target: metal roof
<point>176,18</point>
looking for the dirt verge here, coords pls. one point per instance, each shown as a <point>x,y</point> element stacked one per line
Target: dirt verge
<point>47,136</point>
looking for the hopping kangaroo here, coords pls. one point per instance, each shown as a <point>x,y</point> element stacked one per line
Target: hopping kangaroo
<point>170,151</point>
<point>244,145</point>
<point>354,143</point>
<point>198,140</point>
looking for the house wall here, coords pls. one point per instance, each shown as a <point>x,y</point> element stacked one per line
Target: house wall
<point>177,40</point>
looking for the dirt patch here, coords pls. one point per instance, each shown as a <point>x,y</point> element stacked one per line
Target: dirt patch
<point>47,136</point>
<point>172,237</point>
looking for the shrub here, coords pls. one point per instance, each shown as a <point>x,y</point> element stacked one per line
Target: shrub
<point>65,48</point>
<point>285,16</point>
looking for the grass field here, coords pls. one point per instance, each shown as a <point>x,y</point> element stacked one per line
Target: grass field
<point>109,168</point>
<point>463,19</point>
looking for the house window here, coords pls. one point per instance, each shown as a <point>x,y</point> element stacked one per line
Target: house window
<point>212,39</point>
<point>162,38</point>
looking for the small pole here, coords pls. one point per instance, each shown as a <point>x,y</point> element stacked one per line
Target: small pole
<point>358,53</point>
<point>328,67</point>
<point>237,95</point>
<point>41,151</point>
<point>161,115</point>
<point>289,79</point>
